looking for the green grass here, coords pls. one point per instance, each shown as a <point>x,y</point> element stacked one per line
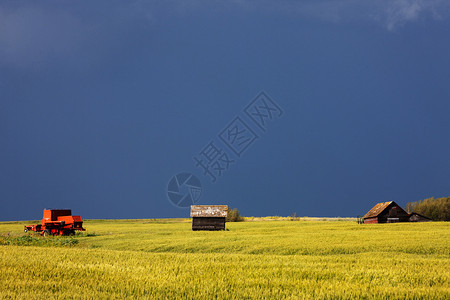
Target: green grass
<point>266,260</point>
<point>37,240</point>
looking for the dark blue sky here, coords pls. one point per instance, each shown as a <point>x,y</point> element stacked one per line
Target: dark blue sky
<point>102,102</point>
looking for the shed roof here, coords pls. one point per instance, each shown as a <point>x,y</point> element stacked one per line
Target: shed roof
<point>220,211</point>
<point>417,214</point>
<point>377,209</point>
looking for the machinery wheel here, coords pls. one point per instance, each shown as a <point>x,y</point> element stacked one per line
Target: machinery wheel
<point>25,230</point>
<point>46,232</point>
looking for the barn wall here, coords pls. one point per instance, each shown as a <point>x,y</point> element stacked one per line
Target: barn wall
<point>393,214</point>
<point>371,220</point>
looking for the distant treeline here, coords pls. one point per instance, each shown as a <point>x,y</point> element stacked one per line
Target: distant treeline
<point>234,215</point>
<point>435,209</point>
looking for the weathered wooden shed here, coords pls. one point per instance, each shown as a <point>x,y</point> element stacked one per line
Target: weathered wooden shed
<point>415,217</point>
<point>208,217</point>
<point>386,212</point>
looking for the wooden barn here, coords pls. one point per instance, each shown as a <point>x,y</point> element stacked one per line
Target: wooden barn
<point>415,217</point>
<point>386,212</point>
<point>208,217</point>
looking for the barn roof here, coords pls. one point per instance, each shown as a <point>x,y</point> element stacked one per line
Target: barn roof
<point>377,209</point>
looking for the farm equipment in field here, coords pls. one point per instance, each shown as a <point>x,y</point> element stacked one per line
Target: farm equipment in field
<point>57,222</point>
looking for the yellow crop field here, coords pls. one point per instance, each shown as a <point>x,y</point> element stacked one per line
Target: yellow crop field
<point>165,259</point>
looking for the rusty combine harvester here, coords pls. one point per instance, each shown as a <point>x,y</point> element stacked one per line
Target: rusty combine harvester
<point>57,222</point>
<point>208,217</point>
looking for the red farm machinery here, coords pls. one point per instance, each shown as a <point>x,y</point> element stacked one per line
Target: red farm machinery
<point>57,222</point>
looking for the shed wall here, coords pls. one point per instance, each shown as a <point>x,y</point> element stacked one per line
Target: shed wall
<point>208,223</point>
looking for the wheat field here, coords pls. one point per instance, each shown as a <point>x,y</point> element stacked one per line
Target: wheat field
<point>164,259</point>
